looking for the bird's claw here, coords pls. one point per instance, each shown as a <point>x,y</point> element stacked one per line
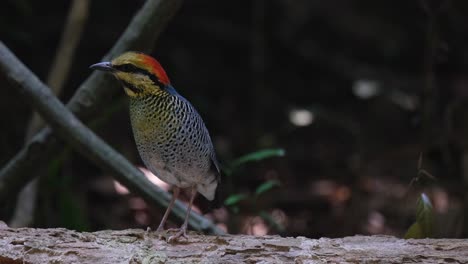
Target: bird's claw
<point>161,233</point>
<point>164,234</point>
<point>181,233</point>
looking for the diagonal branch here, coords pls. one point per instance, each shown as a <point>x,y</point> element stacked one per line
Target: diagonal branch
<point>82,139</point>
<point>76,19</point>
<point>140,34</point>
<point>92,95</point>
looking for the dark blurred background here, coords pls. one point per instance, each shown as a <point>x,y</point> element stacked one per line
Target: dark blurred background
<point>353,91</point>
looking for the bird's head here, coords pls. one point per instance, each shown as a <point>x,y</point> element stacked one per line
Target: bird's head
<point>138,73</point>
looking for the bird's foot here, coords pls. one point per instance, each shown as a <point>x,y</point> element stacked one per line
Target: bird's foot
<point>164,234</point>
<point>161,233</point>
<point>182,232</point>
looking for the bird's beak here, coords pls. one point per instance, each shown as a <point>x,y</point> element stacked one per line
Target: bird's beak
<point>102,66</point>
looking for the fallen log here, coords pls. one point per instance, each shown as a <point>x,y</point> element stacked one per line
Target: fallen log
<point>58,245</point>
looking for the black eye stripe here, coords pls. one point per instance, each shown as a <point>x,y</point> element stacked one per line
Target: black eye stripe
<point>130,68</point>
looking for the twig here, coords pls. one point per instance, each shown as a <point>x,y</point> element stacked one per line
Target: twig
<point>82,139</point>
<point>430,90</point>
<point>77,16</point>
<point>69,41</point>
<point>64,56</point>
<point>421,174</point>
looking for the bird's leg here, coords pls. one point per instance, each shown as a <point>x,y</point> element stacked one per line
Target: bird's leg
<point>175,194</point>
<point>183,229</point>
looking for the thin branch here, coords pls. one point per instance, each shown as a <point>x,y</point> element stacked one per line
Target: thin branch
<point>77,16</point>
<point>82,139</point>
<point>64,56</point>
<point>76,19</point>
<point>429,95</point>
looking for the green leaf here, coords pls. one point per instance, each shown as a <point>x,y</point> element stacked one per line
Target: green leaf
<point>256,156</point>
<point>424,214</point>
<point>415,231</point>
<point>423,227</point>
<point>266,186</point>
<point>235,198</point>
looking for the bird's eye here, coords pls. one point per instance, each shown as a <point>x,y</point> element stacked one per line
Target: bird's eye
<point>126,68</point>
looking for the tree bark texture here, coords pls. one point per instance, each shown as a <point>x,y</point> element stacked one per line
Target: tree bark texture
<point>28,245</point>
